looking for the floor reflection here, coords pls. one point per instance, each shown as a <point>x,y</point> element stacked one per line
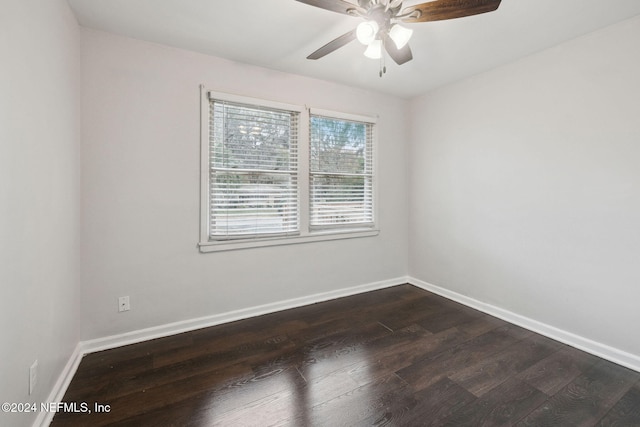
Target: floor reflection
<point>301,389</point>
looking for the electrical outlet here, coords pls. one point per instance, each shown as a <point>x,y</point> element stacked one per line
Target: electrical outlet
<point>33,376</point>
<point>123,304</point>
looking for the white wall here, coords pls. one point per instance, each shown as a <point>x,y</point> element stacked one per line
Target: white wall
<point>39,196</point>
<point>140,169</point>
<point>525,187</point>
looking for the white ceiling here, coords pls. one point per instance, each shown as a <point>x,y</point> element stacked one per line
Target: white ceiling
<point>279,34</point>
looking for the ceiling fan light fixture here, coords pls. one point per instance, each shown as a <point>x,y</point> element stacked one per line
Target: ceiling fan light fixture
<point>400,35</point>
<point>374,50</point>
<point>367,31</point>
<point>380,30</point>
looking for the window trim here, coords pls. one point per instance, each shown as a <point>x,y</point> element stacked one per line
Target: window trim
<point>306,235</point>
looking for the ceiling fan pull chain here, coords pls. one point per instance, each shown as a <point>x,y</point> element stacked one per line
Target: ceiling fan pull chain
<point>384,60</point>
<point>383,66</point>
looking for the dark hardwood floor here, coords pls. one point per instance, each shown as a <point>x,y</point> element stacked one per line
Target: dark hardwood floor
<point>399,357</point>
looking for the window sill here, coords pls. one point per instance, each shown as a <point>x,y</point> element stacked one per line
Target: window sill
<point>319,236</point>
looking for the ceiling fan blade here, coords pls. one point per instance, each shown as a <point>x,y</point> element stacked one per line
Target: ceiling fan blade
<point>339,6</point>
<point>333,45</point>
<point>400,56</point>
<point>439,10</point>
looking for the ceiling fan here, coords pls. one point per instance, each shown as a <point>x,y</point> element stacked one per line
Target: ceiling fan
<point>381,29</point>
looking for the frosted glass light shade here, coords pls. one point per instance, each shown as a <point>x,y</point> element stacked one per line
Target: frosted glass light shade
<point>400,35</point>
<point>367,31</point>
<point>374,51</point>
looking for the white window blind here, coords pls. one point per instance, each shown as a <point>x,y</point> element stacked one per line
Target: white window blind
<point>253,171</point>
<point>341,173</point>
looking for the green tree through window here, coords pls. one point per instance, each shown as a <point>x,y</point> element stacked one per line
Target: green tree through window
<point>341,163</point>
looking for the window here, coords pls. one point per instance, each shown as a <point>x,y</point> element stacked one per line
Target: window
<point>253,171</point>
<point>274,173</point>
<point>341,177</point>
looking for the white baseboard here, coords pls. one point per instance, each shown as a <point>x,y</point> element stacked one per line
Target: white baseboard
<point>604,351</point>
<point>44,418</point>
<point>133,337</point>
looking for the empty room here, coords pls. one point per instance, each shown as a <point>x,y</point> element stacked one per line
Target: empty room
<point>320,212</point>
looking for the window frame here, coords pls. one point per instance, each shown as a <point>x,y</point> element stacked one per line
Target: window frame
<point>306,234</point>
<point>370,125</point>
<point>252,166</point>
